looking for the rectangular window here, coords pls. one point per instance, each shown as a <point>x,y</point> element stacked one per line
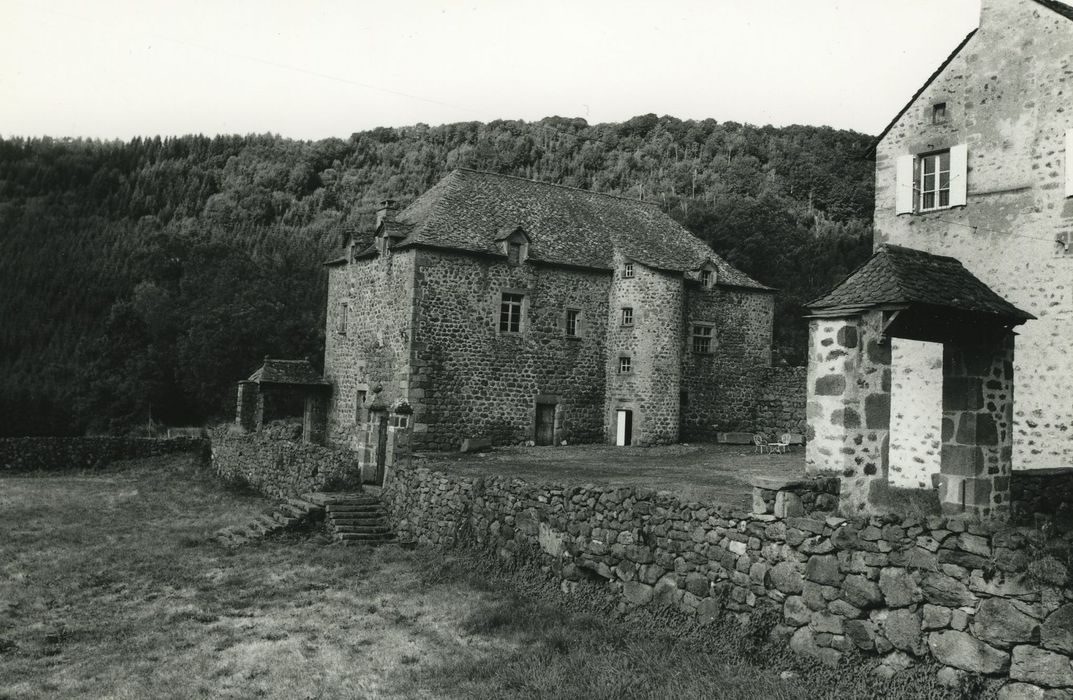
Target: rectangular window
<point>938,113</point>
<point>510,313</point>
<point>340,321</point>
<point>934,181</point>
<point>702,339</point>
<point>573,323</point>
<point>624,365</point>
<point>359,405</point>
<point>627,270</point>
<point>706,278</point>
<point>514,253</point>
<point>627,316</point>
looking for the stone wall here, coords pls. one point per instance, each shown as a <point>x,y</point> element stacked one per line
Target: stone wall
<point>281,468</point>
<point>1007,97</point>
<point>916,412</point>
<point>993,601</point>
<point>375,349</point>
<point>33,454</point>
<point>653,342</point>
<point>471,381</point>
<point>1043,493</point>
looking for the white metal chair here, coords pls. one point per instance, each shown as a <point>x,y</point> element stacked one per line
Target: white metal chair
<point>759,443</point>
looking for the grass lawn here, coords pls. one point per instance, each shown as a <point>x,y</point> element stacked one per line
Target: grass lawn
<point>698,472</point>
<point>109,588</point>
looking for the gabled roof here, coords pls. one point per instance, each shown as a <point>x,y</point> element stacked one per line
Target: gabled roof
<point>1053,5</point>
<point>469,210</point>
<point>287,372</point>
<point>896,276</point>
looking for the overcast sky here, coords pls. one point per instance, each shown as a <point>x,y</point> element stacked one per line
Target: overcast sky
<point>317,68</point>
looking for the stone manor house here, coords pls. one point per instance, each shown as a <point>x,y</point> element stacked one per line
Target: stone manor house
<point>503,309</point>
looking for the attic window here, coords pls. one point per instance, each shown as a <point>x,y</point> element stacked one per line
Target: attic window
<point>938,113</point>
<point>707,278</point>
<point>627,271</point>
<point>514,253</point>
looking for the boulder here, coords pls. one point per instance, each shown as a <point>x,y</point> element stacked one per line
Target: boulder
<point>899,587</point>
<point>861,592</point>
<point>786,577</point>
<point>940,589</point>
<point>637,593</point>
<point>902,629</point>
<point>823,568</point>
<point>795,612</point>
<point>1041,667</point>
<point>998,622</point>
<point>1057,631</point>
<point>962,650</point>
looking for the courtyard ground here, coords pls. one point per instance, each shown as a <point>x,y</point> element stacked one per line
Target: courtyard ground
<point>110,588</point>
<point>694,472</point>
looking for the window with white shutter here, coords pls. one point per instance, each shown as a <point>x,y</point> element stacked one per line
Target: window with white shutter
<point>932,181</point>
<point>905,184</point>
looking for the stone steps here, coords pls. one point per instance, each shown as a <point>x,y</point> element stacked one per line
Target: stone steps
<point>292,514</point>
<point>350,518</point>
<point>358,520</point>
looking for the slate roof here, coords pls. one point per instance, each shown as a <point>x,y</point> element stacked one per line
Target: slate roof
<point>895,276</point>
<point>287,372</point>
<point>1053,5</point>
<point>469,210</point>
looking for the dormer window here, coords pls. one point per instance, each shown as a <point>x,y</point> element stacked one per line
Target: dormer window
<point>706,278</point>
<point>515,244</point>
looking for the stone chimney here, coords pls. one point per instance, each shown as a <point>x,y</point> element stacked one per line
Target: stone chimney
<point>386,211</point>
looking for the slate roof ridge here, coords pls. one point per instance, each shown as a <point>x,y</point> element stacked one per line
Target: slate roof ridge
<point>1059,7</point>
<point>545,183</point>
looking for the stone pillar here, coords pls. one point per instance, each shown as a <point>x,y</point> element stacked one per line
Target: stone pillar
<point>977,452</point>
<point>246,415</point>
<point>849,407</point>
<point>315,418</point>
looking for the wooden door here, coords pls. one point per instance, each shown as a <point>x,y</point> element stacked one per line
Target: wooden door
<point>545,424</point>
<point>381,448</point>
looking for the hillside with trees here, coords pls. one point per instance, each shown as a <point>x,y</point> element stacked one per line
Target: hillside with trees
<point>141,279</point>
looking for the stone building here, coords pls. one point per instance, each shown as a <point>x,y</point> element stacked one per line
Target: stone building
<point>979,166</point>
<point>503,309</point>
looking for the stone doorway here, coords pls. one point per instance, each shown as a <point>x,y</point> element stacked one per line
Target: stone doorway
<point>545,424</point>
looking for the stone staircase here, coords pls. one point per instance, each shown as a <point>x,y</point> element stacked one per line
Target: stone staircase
<point>350,519</point>
<point>360,518</point>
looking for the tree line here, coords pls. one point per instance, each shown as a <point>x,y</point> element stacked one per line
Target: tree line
<point>142,278</point>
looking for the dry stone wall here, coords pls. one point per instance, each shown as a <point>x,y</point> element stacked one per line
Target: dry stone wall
<point>282,468</point>
<point>49,454</point>
<point>975,598</point>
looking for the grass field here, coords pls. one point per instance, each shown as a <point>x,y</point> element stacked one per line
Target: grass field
<point>700,472</point>
<point>109,588</point>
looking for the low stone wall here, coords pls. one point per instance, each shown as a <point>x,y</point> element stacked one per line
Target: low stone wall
<point>50,454</point>
<point>997,602</point>
<point>281,468</point>
<point>1042,492</point>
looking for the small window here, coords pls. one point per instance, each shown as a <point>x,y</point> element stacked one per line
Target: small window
<point>938,113</point>
<point>627,271</point>
<point>573,323</point>
<point>624,365</point>
<point>706,278</point>
<point>627,316</point>
<point>359,404</point>
<point>510,313</point>
<point>934,181</point>
<point>341,319</point>
<point>702,339</point>
<point>514,253</point>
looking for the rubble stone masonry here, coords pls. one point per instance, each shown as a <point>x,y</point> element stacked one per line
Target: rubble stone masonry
<point>981,598</point>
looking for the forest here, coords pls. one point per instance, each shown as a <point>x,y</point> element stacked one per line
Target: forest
<point>140,280</point>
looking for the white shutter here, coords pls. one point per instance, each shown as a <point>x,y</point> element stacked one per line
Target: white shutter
<point>959,175</point>
<point>1069,163</point>
<point>904,184</point>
